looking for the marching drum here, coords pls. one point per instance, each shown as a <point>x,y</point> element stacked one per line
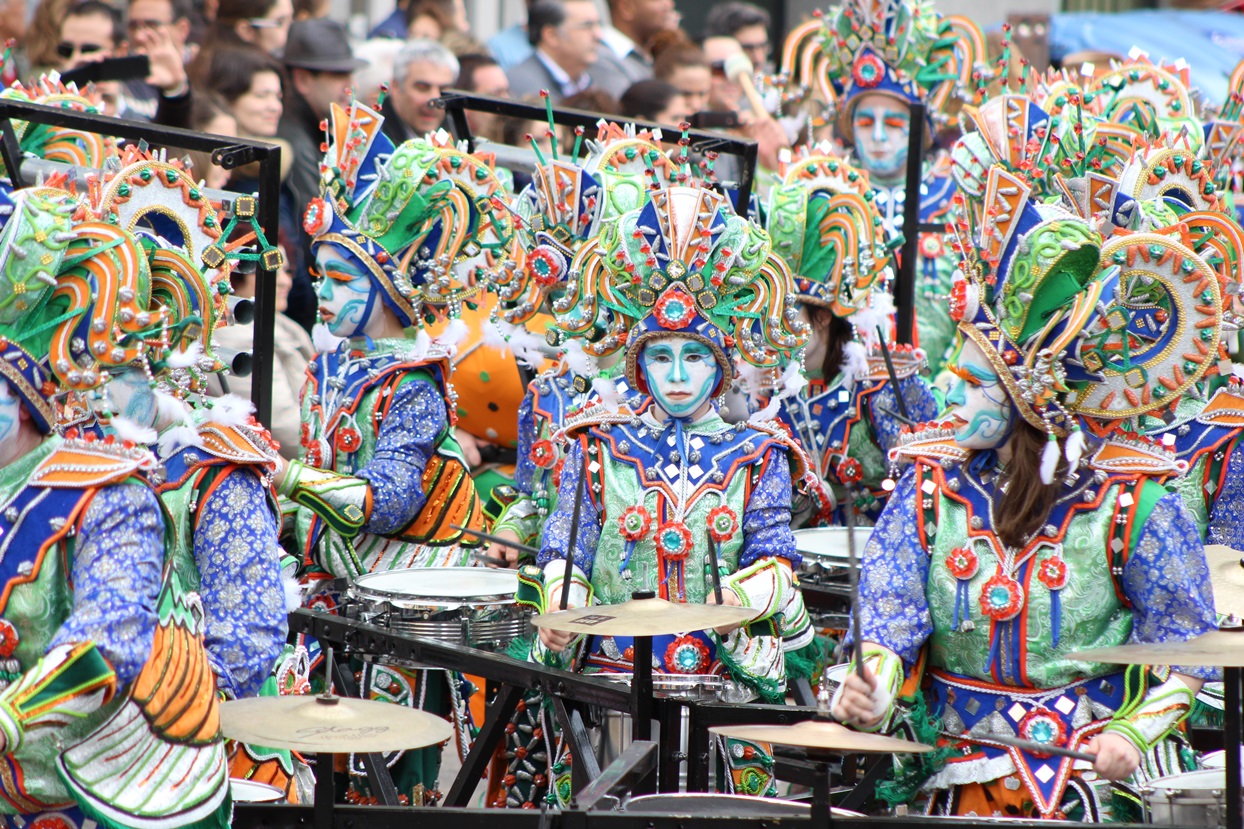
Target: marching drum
<point>1195,798</point>
<point>250,791</point>
<point>696,804</point>
<point>471,606</point>
<point>826,556</point>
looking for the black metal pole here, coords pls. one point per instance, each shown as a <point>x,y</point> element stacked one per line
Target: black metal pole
<point>641,689</point>
<point>905,284</point>
<point>325,791</point>
<point>500,712</point>
<point>670,716</point>
<point>265,288</point>
<point>1232,742</point>
<point>822,809</point>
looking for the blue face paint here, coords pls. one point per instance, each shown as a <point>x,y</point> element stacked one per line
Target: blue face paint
<point>348,299</point>
<point>681,374</point>
<point>10,411</point>
<point>132,397</point>
<point>879,128</point>
<point>978,402</point>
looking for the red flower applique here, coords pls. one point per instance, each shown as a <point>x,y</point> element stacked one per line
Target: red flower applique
<point>348,439</point>
<point>723,523</point>
<point>962,563</point>
<point>868,71</point>
<point>673,540</point>
<point>675,310</point>
<point>635,522</point>
<point>545,265</point>
<point>543,454</point>
<point>1002,598</point>
<point>318,217</point>
<point>8,639</point>
<point>1053,573</point>
<point>850,471</point>
<point>686,655</point>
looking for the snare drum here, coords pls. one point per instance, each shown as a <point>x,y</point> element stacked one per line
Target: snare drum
<point>689,687</point>
<point>471,606</point>
<point>250,791</point>
<point>1195,798</point>
<point>835,675</point>
<point>697,804</point>
<point>825,552</point>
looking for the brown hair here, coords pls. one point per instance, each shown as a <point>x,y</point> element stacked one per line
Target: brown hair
<point>1027,502</point>
<point>672,51</point>
<point>837,330</point>
<point>44,33</point>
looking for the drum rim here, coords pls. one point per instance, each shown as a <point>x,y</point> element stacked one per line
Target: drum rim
<point>840,559</point>
<point>263,787</point>
<point>408,601</point>
<point>1166,783</point>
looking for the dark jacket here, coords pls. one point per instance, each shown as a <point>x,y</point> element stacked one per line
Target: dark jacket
<point>394,127</point>
<point>300,128</point>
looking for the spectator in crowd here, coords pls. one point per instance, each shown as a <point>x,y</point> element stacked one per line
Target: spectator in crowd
<point>626,54</point>
<point>321,69</point>
<point>159,29</point>
<point>310,9</point>
<point>263,24</point>
<point>211,116</point>
<point>427,21</point>
<point>726,95</point>
<point>252,85</point>
<point>656,101</point>
<point>43,35</point>
<point>481,74</point>
<point>379,53</point>
<point>681,63</point>
<point>397,24</point>
<point>421,70</point>
<point>510,46</point>
<point>566,36</point>
<point>746,23</point>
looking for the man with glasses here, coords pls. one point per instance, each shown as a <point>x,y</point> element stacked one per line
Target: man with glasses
<point>746,23</point>
<point>625,58</point>
<point>566,36</point>
<point>159,29</point>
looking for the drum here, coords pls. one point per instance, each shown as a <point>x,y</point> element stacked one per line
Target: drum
<point>689,687</point>
<point>696,804</point>
<point>826,555</point>
<point>250,791</point>
<point>835,675</point>
<point>1195,798</point>
<point>471,606</point>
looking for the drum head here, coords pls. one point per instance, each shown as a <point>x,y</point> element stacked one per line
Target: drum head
<point>695,804</point>
<point>828,545</point>
<point>1203,780</point>
<point>438,586</point>
<point>250,791</point>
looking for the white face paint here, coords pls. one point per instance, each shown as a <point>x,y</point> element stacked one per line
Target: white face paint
<point>350,304</point>
<point>132,396</point>
<point>681,374</point>
<point>879,128</point>
<point>978,402</point>
<point>10,411</point>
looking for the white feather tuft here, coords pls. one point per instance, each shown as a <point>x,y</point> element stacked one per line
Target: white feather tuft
<point>769,412</point>
<point>455,332</point>
<point>324,340</point>
<point>791,382</point>
<point>293,592</point>
<point>528,348</point>
<point>230,410</point>
<point>423,344</point>
<point>494,337</point>
<point>171,409</point>
<point>1075,447</point>
<point>178,436</point>
<point>878,314</point>
<point>579,361</point>
<point>607,391</point>
<point>752,380</point>
<point>854,361</point>
<point>127,429</point>
<point>188,358</point>
<point>1049,461</point>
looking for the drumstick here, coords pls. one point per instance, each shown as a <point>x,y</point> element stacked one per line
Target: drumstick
<point>855,585</point>
<point>712,545</point>
<point>574,535</point>
<point>487,559</point>
<point>496,539</point>
<point>739,69</point>
<point>888,413</point>
<point>1029,745</point>
<point>889,368</point>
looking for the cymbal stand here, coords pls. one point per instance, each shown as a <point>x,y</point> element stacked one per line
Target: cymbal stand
<point>641,682</point>
<point>325,788</point>
<point>1233,742</point>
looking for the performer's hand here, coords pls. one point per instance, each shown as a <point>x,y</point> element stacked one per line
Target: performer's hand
<point>470,447</point>
<point>728,599</point>
<point>1116,759</point>
<point>556,640</point>
<point>502,551</point>
<point>856,705</point>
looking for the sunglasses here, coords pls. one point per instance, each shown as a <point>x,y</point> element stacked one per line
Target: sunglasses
<point>269,22</point>
<point>718,67</point>
<point>67,50</point>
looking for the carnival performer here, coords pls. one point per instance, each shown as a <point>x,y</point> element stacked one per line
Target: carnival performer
<point>870,60</point>
<point>95,640</point>
<point>396,236</point>
<point>677,285</point>
<point>824,222</point>
<point>1005,548</point>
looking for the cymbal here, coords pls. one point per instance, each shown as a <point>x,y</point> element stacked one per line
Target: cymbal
<point>1226,573</point>
<point>338,725</point>
<point>1216,649</point>
<point>827,736</point>
<point>643,617</point>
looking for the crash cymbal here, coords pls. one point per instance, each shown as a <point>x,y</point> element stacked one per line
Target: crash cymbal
<point>339,725</point>
<point>827,736</point>
<point>1216,649</point>
<point>643,617</point>
<point>1226,573</point>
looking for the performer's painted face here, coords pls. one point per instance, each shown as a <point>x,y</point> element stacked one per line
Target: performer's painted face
<point>10,410</point>
<point>681,374</point>
<point>132,396</point>
<point>978,402</point>
<point>350,304</point>
<point>879,128</point>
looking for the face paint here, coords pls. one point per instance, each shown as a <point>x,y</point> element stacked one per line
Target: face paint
<point>978,402</point>
<point>879,128</point>
<point>10,411</point>
<point>132,396</point>
<point>681,374</point>
<point>349,302</point>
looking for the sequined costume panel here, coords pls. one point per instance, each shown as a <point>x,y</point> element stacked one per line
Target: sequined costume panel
<point>116,570</point>
<point>557,531</point>
<point>238,558</point>
<point>1226,519</point>
<point>415,419</point>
